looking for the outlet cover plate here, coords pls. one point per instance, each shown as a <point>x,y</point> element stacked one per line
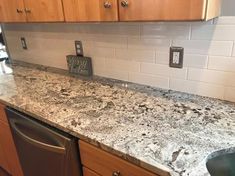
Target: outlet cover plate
<point>79,48</point>
<point>23,43</point>
<point>176,57</point>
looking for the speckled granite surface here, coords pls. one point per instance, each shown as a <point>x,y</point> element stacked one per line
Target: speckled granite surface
<point>157,129</point>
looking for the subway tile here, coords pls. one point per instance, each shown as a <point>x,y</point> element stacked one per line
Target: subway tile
<point>218,48</point>
<point>144,43</point>
<point>163,70</point>
<point>99,52</point>
<point>222,63</point>
<point>212,76</point>
<point>213,32</point>
<point>156,81</point>
<point>115,64</point>
<point>229,94</point>
<point>98,64</point>
<point>116,74</point>
<point>225,20</point>
<point>136,55</point>
<point>165,31</point>
<point>106,41</point>
<point>190,60</point>
<point>197,88</point>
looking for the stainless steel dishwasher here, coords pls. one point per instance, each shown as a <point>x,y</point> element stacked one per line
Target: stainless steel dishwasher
<point>42,150</point>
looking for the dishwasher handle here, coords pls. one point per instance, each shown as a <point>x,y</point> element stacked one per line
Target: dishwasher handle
<point>36,143</point>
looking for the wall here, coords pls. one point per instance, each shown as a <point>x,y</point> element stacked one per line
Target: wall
<point>138,52</point>
<point>228,8</point>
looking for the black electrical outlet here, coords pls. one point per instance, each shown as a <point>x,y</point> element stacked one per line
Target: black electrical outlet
<point>176,57</point>
<point>23,43</point>
<point>79,48</point>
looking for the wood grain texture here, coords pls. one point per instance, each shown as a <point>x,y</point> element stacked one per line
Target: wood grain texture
<point>90,10</point>
<point>88,172</point>
<point>104,163</point>
<point>167,10</point>
<point>8,11</point>
<point>3,162</point>
<point>213,9</point>
<point>44,10</point>
<point>8,147</point>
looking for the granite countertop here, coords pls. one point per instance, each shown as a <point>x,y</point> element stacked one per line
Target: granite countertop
<point>160,130</point>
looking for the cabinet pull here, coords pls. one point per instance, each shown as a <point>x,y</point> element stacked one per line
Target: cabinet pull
<point>116,173</point>
<point>19,11</point>
<point>27,10</point>
<point>124,4</point>
<point>107,5</point>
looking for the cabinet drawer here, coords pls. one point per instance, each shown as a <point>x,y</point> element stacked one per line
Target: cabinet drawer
<point>88,172</point>
<point>105,164</point>
<point>3,117</point>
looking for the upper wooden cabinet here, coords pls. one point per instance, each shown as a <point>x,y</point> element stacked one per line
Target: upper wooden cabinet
<point>12,11</point>
<point>90,10</point>
<point>44,10</point>
<point>168,10</point>
<point>31,11</point>
<point>107,10</point>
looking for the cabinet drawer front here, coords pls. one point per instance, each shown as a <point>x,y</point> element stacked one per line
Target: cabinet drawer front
<point>157,10</point>
<point>106,164</point>
<point>92,10</point>
<point>88,172</point>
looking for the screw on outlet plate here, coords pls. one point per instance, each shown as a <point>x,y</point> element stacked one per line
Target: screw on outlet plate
<point>176,57</point>
<point>79,48</point>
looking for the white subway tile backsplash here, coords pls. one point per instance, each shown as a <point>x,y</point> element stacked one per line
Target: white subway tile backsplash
<point>225,20</point>
<point>198,88</point>
<point>163,70</point>
<point>156,81</point>
<point>136,55</point>
<point>115,64</point>
<point>222,63</point>
<point>218,48</point>
<point>139,52</point>
<point>213,32</point>
<point>229,94</point>
<point>190,60</point>
<point>212,76</point>
<point>147,44</point>
<point>165,31</point>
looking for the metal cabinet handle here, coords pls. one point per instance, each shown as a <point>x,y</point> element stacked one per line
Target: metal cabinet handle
<point>27,10</point>
<point>19,11</point>
<point>124,4</point>
<point>116,173</point>
<point>107,5</point>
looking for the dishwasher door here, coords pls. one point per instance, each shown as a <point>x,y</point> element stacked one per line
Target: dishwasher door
<point>43,151</point>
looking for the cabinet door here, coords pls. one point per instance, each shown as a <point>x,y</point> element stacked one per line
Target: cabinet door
<point>44,10</point>
<point>12,11</point>
<point>162,10</point>
<point>90,10</point>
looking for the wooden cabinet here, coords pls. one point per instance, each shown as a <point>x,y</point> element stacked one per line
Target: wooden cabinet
<point>10,162</point>
<point>44,10</point>
<point>31,11</point>
<point>103,163</point>
<point>170,10</point>
<point>90,10</point>
<point>12,11</point>
<point>88,172</point>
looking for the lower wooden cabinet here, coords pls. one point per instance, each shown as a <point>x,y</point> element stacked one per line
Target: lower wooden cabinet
<point>98,162</point>
<point>8,156</point>
<point>88,172</point>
